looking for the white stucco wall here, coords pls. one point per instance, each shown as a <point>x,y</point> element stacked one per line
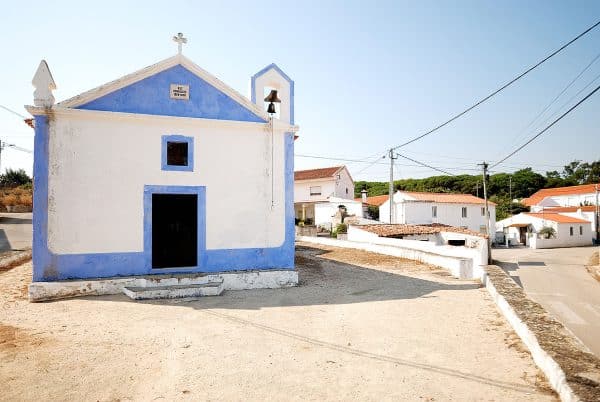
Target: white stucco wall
<point>99,167</point>
<point>462,261</point>
<point>324,212</point>
<point>563,237</point>
<point>563,234</point>
<point>341,187</point>
<point>302,190</point>
<point>574,200</point>
<point>420,212</point>
<point>344,186</point>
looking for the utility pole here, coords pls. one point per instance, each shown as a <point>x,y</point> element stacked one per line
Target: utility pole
<point>484,166</point>
<point>597,215</point>
<point>510,192</point>
<point>477,188</point>
<point>391,189</point>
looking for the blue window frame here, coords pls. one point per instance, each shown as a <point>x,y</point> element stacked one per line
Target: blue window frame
<point>177,153</point>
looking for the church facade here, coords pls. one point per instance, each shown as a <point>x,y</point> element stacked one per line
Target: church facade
<point>164,171</point>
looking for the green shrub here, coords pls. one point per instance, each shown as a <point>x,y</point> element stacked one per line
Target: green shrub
<point>547,232</point>
<point>341,228</point>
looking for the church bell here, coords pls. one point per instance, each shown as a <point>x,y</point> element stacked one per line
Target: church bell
<point>272,97</point>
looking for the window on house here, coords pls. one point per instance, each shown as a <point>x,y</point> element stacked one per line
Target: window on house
<point>346,190</point>
<point>177,153</point>
<point>580,230</point>
<point>434,211</point>
<point>315,190</point>
<point>464,212</point>
<point>571,230</point>
<point>482,211</point>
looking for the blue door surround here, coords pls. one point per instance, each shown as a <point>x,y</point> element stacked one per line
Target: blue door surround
<point>200,191</point>
<point>48,266</point>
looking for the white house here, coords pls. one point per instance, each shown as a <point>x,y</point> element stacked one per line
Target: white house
<point>524,229</point>
<point>320,184</point>
<point>572,196</point>
<point>576,201</point>
<point>319,192</point>
<point>145,175</point>
<point>459,210</point>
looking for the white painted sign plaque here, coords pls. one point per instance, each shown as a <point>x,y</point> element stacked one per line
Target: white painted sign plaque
<point>179,91</point>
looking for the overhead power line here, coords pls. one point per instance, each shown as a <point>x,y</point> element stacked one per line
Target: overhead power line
<point>543,111</point>
<point>370,165</point>
<point>548,127</point>
<point>501,88</point>
<point>426,165</point>
<point>331,158</point>
<point>13,112</point>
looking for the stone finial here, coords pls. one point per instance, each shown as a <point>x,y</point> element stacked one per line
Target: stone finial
<point>44,85</point>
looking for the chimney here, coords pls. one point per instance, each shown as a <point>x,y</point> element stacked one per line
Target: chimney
<point>363,193</point>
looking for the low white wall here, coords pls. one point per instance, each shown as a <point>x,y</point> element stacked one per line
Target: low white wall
<point>536,242</point>
<point>459,267</point>
<point>462,262</point>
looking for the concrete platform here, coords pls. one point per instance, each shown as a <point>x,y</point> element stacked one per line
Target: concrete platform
<point>174,291</point>
<point>233,280</point>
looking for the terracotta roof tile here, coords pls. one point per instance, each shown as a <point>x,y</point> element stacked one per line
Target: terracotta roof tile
<point>311,174</point>
<point>555,217</point>
<point>585,208</point>
<point>538,196</point>
<point>387,230</point>
<point>375,200</point>
<point>446,198</point>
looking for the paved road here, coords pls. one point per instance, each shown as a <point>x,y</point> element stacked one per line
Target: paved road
<point>15,231</point>
<point>558,280</point>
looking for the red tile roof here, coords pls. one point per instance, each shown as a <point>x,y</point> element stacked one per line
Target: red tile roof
<point>538,196</point>
<point>375,200</point>
<point>447,198</point>
<point>322,173</point>
<point>554,217</point>
<point>387,230</point>
<point>585,208</point>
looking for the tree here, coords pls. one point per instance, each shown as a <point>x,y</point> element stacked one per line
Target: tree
<point>14,178</point>
<point>526,182</point>
<point>577,172</point>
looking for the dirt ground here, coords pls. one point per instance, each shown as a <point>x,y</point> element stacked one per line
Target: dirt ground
<point>360,326</point>
<point>593,265</point>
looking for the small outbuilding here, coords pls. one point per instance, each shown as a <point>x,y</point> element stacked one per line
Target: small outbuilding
<point>544,230</point>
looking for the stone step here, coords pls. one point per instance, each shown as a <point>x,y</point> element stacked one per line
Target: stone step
<point>174,291</point>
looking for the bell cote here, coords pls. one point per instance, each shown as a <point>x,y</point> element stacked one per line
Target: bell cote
<point>267,79</point>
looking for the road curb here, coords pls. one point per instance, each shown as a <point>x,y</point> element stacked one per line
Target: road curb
<point>538,331</point>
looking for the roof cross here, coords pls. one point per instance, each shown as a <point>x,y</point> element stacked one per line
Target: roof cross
<point>180,41</point>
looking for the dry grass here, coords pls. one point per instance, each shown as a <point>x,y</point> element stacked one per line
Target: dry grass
<point>17,196</point>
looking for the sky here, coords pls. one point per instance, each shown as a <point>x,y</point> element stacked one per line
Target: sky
<point>368,75</point>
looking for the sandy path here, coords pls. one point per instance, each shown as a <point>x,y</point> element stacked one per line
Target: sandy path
<point>399,332</point>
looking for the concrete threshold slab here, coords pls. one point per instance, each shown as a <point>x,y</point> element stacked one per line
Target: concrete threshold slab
<point>173,291</point>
